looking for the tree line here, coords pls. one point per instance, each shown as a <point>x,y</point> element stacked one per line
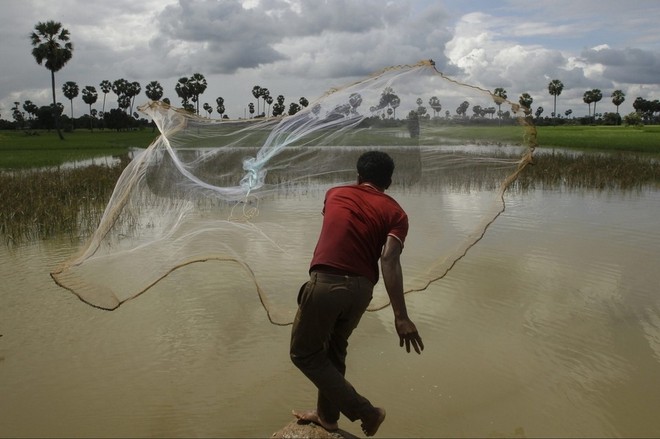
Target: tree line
<point>52,48</point>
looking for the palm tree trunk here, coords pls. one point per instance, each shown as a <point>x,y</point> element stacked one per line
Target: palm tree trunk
<point>56,116</point>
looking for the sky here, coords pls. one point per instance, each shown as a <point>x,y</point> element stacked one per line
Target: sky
<point>306,47</point>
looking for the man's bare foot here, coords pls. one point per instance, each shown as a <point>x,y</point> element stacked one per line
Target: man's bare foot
<point>372,422</point>
<point>313,416</point>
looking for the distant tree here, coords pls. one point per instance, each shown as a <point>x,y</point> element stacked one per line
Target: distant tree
<point>525,100</point>
<point>51,44</point>
<point>355,100</point>
<point>221,106</point>
<point>154,91</point>
<point>632,119</point>
<point>412,123</point>
<point>421,110</point>
<point>538,112</point>
<point>132,90</point>
<point>596,96</point>
<point>462,109</point>
<point>183,91</point>
<point>70,91</point>
<point>303,102</point>
<point>568,112</point>
<point>265,95</point>
<point>251,109</point>
<point>17,115</point>
<point>31,109</point>
<point>119,88</point>
<point>588,98</point>
<point>90,96</point>
<point>499,96</point>
<point>555,87</point>
<point>207,108</point>
<point>197,85</point>
<point>294,108</point>
<point>256,92</point>
<point>106,87</point>
<point>124,102</point>
<point>618,97</point>
<point>278,107</point>
<point>118,119</point>
<point>269,101</point>
<point>435,104</point>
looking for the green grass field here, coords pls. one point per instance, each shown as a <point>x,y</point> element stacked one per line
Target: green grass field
<point>20,151</point>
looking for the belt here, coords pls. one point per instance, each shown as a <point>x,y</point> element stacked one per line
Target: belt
<point>325,269</point>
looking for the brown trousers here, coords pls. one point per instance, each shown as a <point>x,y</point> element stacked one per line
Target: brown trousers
<point>329,309</point>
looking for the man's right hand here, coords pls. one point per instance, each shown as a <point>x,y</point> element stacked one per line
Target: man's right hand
<point>408,335</point>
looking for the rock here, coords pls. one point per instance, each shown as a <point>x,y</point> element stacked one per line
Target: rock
<point>304,430</point>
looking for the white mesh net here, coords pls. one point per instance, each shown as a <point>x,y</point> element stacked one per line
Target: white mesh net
<point>244,192</point>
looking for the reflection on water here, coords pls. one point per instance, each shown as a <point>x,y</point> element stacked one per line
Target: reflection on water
<point>550,326</point>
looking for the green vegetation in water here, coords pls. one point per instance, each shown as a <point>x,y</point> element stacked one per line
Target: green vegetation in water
<point>19,150</point>
<point>645,139</point>
<point>43,204</point>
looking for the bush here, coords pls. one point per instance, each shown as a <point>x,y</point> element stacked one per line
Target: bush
<point>632,119</point>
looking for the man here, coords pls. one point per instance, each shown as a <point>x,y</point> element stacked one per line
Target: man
<point>361,224</point>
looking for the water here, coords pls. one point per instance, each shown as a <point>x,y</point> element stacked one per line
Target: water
<point>550,326</point>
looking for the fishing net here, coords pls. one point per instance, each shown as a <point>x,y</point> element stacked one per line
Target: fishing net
<point>250,192</point>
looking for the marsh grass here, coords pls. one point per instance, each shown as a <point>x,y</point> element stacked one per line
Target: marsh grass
<point>622,171</point>
<point>46,203</point>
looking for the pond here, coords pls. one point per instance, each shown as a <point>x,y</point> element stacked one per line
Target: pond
<point>549,326</point>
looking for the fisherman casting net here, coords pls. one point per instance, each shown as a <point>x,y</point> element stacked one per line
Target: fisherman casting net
<point>244,192</point>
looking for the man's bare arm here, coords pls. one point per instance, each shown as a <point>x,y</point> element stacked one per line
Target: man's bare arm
<point>393,278</point>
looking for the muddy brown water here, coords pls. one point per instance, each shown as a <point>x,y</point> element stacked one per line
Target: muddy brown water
<point>550,326</point>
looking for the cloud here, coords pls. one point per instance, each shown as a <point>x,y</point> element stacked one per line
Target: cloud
<point>625,66</point>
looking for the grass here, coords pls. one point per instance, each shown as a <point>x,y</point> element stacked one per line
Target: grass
<point>19,150</point>
<point>644,139</point>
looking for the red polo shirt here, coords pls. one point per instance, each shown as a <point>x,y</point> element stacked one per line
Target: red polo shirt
<point>356,222</point>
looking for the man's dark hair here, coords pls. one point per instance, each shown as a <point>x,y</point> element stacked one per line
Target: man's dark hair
<point>376,167</point>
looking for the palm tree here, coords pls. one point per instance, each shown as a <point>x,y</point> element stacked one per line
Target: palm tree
<point>269,100</point>
<point>106,87</point>
<point>51,44</point>
<point>220,101</point>
<point>90,96</point>
<point>120,87</point>
<point>70,90</point>
<point>499,96</point>
<point>617,99</point>
<point>525,100</point>
<point>154,91</point>
<point>207,108</point>
<point>133,89</point>
<point>588,99</point>
<point>596,96</point>
<point>197,85</point>
<point>256,92</point>
<point>183,91</point>
<point>435,104</point>
<point>265,95</point>
<point>555,88</point>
